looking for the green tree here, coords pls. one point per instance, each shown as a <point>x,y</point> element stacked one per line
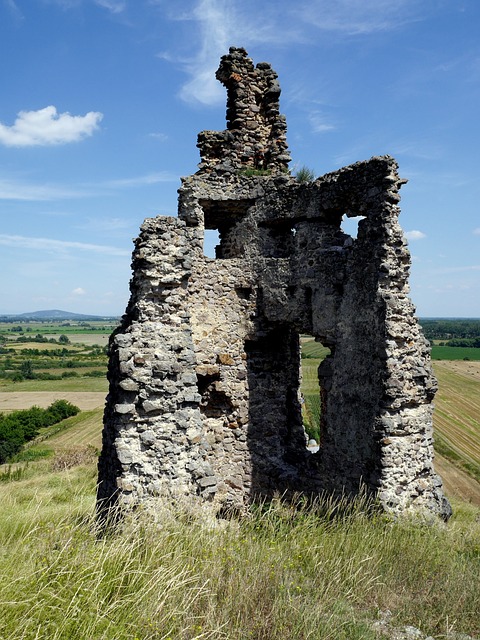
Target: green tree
<point>63,339</point>
<point>26,370</point>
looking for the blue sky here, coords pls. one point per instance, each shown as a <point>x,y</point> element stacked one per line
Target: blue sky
<point>102,101</point>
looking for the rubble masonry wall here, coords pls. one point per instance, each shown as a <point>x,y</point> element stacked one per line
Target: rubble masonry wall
<point>204,370</point>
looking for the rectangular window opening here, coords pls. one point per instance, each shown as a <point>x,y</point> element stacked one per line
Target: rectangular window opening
<point>313,353</point>
<point>211,240</point>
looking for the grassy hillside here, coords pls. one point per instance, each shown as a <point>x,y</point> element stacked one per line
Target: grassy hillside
<point>283,573</point>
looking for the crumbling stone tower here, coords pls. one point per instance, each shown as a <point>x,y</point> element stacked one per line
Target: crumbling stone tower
<point>204,371</point>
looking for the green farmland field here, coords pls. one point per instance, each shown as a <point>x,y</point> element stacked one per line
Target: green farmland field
<point>455,353</point>
<point>312,355</point>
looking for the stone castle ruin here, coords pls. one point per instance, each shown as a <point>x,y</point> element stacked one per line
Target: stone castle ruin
<point>204,370</point>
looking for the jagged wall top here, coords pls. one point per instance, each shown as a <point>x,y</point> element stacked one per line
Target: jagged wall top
<point>256,131</point>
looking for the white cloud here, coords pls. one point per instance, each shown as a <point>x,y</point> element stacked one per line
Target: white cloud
<point>422,149</point>
<point>47,127</point>
<point>65,4</point>
<point>55,246</point>
<point>415,235</point>
<point>446,270</point>
<point>214,22</point>
<point>25,191</point>
<point>476,231</point>
<point>79,291</point>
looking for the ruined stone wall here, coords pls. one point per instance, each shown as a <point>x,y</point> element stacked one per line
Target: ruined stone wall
<point>204,372</point>
<point>256,131</point>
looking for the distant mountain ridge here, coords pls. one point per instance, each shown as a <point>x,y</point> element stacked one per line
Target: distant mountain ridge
<point>53,314</point>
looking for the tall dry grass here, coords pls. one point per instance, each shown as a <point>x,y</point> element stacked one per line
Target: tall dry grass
<point>284,571</point>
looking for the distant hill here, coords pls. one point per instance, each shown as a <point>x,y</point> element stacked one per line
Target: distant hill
<point>52,314</point>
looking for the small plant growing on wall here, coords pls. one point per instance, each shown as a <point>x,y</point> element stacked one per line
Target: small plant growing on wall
<point>305,174</point>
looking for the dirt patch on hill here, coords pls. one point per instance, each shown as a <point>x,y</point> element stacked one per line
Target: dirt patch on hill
<point>15,400</point>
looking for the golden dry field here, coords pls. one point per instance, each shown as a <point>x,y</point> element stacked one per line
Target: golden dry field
<point>86,432</point>
<point>457,427</point>
<point>84,400</point>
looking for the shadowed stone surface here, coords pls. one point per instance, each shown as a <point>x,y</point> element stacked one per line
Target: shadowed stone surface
<point>204,371</point>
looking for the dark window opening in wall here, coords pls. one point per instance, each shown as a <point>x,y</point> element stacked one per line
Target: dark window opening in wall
<point>313,396</point>
<point>274,388</point>
<point>211,240</point>
<point>214,403</point>
<point>244,293</point>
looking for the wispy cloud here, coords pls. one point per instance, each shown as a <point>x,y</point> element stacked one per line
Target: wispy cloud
<point>421,149</point>
<point>105,224</point>
<point>476,232</point>
<point>13,9</point>
<point>115,6</point>
<point>358,149</point>
<point>11,189</point>
<point>79,291</point>
<point>214,19</point>
<point>447,270</point>
<point>358,18</point>
<point>19,190</point>
<point>415,235</point>
<point>54,246</point>
<point>319,123</point>
<point>65,4</point>
<point>139,181</point>
<point>217,24</point>
<point>47,127</point>
<point>161,137</point>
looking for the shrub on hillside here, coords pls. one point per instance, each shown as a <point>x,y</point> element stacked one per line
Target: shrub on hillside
<point>19,427</point>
